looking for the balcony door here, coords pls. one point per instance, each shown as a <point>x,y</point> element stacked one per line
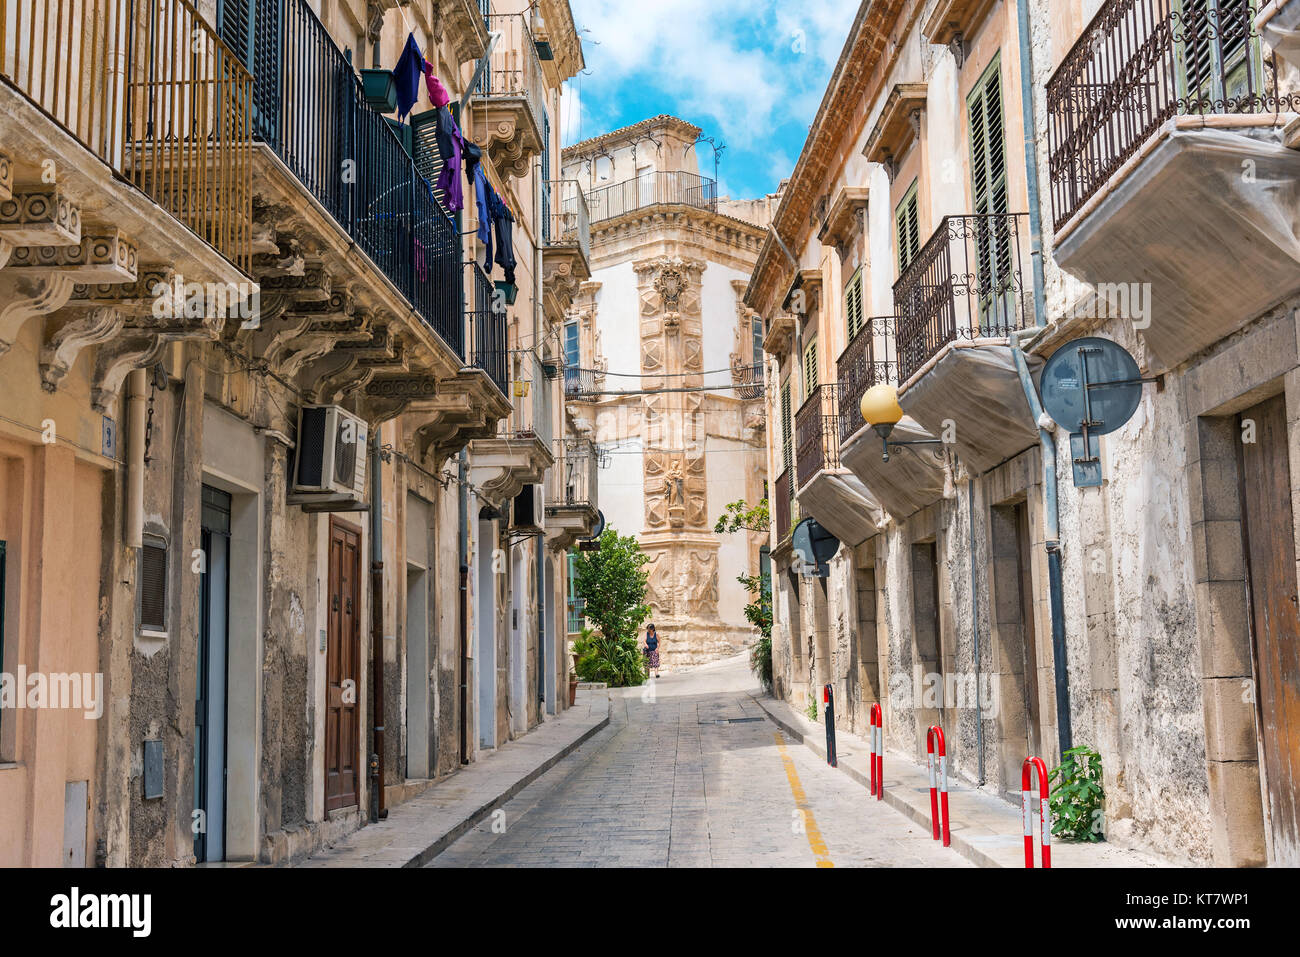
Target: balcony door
<point>210,695</point>
<point>1219,62</point>
<point>252,31</point>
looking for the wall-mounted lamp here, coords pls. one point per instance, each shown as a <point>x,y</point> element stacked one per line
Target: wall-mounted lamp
<point>881,411</point>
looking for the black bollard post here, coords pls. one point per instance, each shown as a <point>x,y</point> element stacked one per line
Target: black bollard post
<point>828,696</point>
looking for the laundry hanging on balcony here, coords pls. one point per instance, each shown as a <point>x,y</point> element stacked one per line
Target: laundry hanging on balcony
<point>406,76</point>
<point>504,223</point>
<point>450,144</point>
<point>438,94</point>
<point>481,188</point>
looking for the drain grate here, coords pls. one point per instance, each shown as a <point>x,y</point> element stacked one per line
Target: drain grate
<point>729,720</point>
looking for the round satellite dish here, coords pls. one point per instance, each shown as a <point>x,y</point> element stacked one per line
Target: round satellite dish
<point>1091,381</point>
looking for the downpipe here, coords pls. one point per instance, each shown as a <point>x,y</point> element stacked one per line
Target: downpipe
<point>462,494</point>
<point>378,811</point>
<point>137,386</point>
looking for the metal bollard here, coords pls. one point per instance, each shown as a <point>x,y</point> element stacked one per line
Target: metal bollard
<point>1035,765</point>
<point>828,698</point>
<point>877,752</point>
<point>938,784</point>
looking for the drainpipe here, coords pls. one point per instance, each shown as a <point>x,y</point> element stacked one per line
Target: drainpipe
<point>1031,163</point>
<point>136,410</point>
<point>463,506</point>
<point>377,810</point>
<point>975,629</point>
<point>1051,521</point>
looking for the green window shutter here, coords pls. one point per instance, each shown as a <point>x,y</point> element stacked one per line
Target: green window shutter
<point>853,304</point>
<point>810,368</point>
<point>786,441</point>
<point>908,221</point>
<point>989,180</point>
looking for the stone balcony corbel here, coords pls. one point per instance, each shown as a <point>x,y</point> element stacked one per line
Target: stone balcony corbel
<point>65,342</point>
<point>6,177</point>
<point>441,416</point>
<point>115,360</point>
<point>463,27</point>
<point>38,217</point>
<point>350,366</point>
<point>564,269</point>
<point>780,336</point>
<point>500,467</point>
<point>898,128</point>
<point>26,298</point>
<point>566,524</point>
<point>507,130</point>
<point>843,223</point>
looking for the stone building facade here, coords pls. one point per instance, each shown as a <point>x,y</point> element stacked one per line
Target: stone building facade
<point>964,209</point>
<point>661,374</point>
<point>297,619</point>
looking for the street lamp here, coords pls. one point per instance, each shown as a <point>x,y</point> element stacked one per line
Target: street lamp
<point>881,411</point>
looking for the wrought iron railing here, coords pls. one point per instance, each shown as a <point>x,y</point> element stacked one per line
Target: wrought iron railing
<point>967,282</point>
<point>652,189</point>
<point>817,433</point>
<point>530,412</point>
<point>579,382</point>
<point>565,218</point>
<point>748,381</point>
<point>515,70</point>
<point>485,8</point>
<point>152,91</point>
<point>577,615</point>
<point>786,509</point>
<point>575,475</point>
<point>312,113</point>
<point>868,360</point>
<point>1138,64</point>
<point>486,327</point>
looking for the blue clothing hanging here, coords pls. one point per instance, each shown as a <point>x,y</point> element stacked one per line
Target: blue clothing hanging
<point>407,75</point>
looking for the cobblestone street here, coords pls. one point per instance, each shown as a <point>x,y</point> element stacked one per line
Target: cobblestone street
<point>690,773</point>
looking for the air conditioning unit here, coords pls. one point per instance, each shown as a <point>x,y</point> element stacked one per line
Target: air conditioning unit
<point>331,452</point>
<point>527,510</point>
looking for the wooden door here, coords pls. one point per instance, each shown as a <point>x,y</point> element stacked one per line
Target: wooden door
<point>343,668</point>
<point>1270,543</point>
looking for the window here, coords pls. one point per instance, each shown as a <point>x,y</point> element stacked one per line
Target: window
<point>151,587</point>
<point>907,219</point>
<point>572,347</point>
<point>810,367</point>
<point>786,443</point>
<point>1216,45</point>
<point>757,330</point>
<point>853,304</point>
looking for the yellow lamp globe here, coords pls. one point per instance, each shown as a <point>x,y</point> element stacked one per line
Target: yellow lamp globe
<point>880,406</point>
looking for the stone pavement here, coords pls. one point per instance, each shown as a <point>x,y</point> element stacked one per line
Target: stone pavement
<point>418,829</point>
<point>691,773</point>
<point>985,829</point>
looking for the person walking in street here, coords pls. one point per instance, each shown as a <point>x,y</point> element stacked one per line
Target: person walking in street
<point>652,649</point>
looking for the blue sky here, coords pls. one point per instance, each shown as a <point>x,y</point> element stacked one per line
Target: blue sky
<point>750,73</point>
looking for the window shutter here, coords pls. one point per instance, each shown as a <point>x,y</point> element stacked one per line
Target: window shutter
<point>810,368</point>
<point>989,180</point>
<point>758,341</point>
<point>908,219</point>
<point>853,304</point>
<point>152,587</point>
<point>786,442</point>
<point>422,140</point>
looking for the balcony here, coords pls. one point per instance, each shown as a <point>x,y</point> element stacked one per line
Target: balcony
<point>664,188</point>
<point>566,243</point>
<point>957,303</point>
<point>175,128</point>
<point>868,360</point>
<point>579,383</point>
<point>829,493</point>
<point>749,382</point>
<point>1153,116</point>
<point>572,494</point>
<point>486,327</point>
<point>509,113</point>
<point>786,510</point>
<point>520,452</point>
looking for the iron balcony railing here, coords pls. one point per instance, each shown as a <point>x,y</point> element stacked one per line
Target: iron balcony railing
<point>486,326</point>
<point>868,360</point>
<point>485,8</point>
<point>577,618</point>
<point>575,476</point>
<point>1138,64</point>
<point>565,218</point>
<point>515,69</point>
<point>967,282</point>
<point>786,507</point>
<point>817,433</point>
<point>529,390</point>
<point>309,109</point>
<point>579,382</point>
<point>152,91</point>
<point>748,381</point>
<point>652,189</point>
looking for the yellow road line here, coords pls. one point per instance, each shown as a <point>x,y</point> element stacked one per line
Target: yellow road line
<point>815,842</point>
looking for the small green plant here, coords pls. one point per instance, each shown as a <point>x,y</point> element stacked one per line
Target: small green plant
<point>1077,796</point>
<point>811,710</point>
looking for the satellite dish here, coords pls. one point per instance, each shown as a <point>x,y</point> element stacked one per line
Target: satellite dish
<point>1091,387</point>
<point>813,547</point>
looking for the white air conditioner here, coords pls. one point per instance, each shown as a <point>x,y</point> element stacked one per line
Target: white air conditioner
<point>331,452</point>
<point>527,509</point>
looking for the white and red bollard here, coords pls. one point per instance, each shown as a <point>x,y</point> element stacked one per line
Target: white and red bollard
<point>877,753</point>
<point>938,783</point>
<point>1036,765</point>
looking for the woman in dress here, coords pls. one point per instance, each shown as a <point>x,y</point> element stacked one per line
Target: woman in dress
<point>652,649</point>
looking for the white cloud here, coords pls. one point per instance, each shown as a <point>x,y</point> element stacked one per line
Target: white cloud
<point>739,68</point>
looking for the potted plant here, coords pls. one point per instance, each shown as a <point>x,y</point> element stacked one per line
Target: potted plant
<point>378,88</point>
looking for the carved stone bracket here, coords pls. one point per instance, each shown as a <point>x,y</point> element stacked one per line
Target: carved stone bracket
<point>104,258</point>
<point>66,342</point>
<point>6,177</point>
<point>39,217</point>
<point>27,298</point>
<point>506,127</point>
<point>113,363</point>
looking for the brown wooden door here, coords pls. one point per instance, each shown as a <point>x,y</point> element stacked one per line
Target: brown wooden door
<point>1270,540</point>
<point>343,668</point>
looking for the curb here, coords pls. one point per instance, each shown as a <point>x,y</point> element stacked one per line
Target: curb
<point>959,844</point>
<point>421,858</point>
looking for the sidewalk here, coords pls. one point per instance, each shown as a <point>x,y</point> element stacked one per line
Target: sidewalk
<point>985,829</point>
<point>418,830</point>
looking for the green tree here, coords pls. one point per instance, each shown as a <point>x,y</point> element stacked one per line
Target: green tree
<point>741,517</point>
<point>612,583</point>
